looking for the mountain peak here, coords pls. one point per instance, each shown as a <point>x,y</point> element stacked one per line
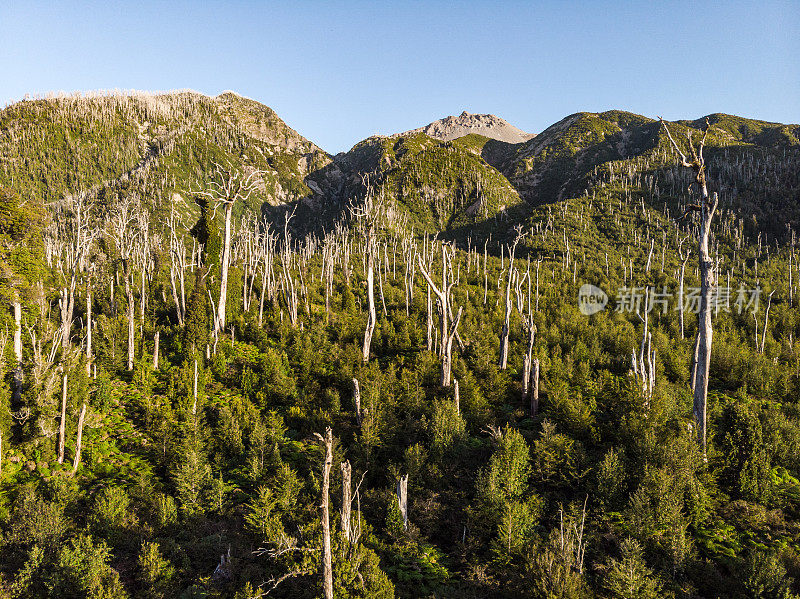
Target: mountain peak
<point>488,125</point>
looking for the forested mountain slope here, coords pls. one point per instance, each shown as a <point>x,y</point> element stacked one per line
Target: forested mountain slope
<point>171,366</point>
<point>160,146</point>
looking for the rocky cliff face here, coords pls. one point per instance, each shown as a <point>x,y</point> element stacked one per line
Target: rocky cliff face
<point>488,125</point>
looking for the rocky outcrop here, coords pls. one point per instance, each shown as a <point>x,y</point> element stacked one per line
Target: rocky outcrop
<point>488,125</point>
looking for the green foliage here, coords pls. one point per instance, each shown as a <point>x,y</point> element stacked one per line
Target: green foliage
<point>83,570</point>
<point>156,575</point>
<point>763,576</point>
<point>263,520</point>
<point>37,521</point>
<point>509,468</point>
<point>192,483</point>
<point>111,515</point>
<point>447,425</point>
<point>745,464</point>
<point>196,326</point>
<point>629,577</point>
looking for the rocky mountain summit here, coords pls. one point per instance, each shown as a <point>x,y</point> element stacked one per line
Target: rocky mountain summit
<point>488,125</point>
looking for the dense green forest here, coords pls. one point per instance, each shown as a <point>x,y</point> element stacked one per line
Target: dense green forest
<point>227,355</point>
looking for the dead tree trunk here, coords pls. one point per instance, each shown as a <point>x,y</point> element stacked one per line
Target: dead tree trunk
<point>67,304</point>
<point>327,567</point>
<point>429,323</point>
<point>447,354</point>
<point>17,379</point>
<point>224,267</point>
<point>527,360</point>
<point>88,331</point>
<point>535,388</point>
<point>706,209</point>
<point>156,339</point>
<point>79,442</point>
<point>346,499</point>
<point>229,186</point>
<point>447,330</point>
<point>131,315</point>
<point>371,315</point>
<point>402,499</point>
<point>63,424</point>
<point>357,400</point>
<point>766,323</point>
<point>503,361</point>
<point>512,276</point>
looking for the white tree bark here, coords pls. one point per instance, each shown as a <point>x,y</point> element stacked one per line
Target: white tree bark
<point>79,442</point>
<point>535,388</point>
<point>372,314</point>
<point>705,333</point>
<point>402,499</point>
<point>63,423</point>
<point>327,567</point>
<point>88,331</point>
<point>346,499</point>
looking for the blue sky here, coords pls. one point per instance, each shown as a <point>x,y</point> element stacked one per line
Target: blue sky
<point>338,72</point>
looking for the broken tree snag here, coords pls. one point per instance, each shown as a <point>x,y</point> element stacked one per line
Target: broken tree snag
<point>510,281</point>
<point>372,316</point>
<point>357,400</point>
<point>346,499</point>
<point>88,329</point>
<point>156,339</point>
<point>402,499</point>
<point>17,377</point>
<point>194,390</point>
<point>456,395</point>
<point>327,568</point>
<point>535,387</point>
<point>76,462</point>
<point>706,207</point>
<point>62,425</point>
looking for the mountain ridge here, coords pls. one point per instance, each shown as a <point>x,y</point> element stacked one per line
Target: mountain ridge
<point>450,174</point>
<point>488,125</point>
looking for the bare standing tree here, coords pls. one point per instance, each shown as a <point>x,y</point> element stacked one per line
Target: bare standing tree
<point>79,441</point>
<point>177,266</point>
<point>402,499</point>
<point>706,208</point>
<point>448,325</point>
<point>367,216</point>
<point>327,568</point>
<point>70,235</point>
<point>529,325</point>
<point>228,186</point>
<point>125,234</point>
<point>510,283</point>
<point>347,502</point>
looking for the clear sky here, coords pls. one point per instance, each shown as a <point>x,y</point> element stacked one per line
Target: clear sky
<point>340,71</point>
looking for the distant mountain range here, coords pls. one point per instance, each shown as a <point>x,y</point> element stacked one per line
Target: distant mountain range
<point>457,174</point>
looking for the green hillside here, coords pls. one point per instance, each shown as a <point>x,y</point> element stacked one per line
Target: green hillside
<point>162,146</point>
